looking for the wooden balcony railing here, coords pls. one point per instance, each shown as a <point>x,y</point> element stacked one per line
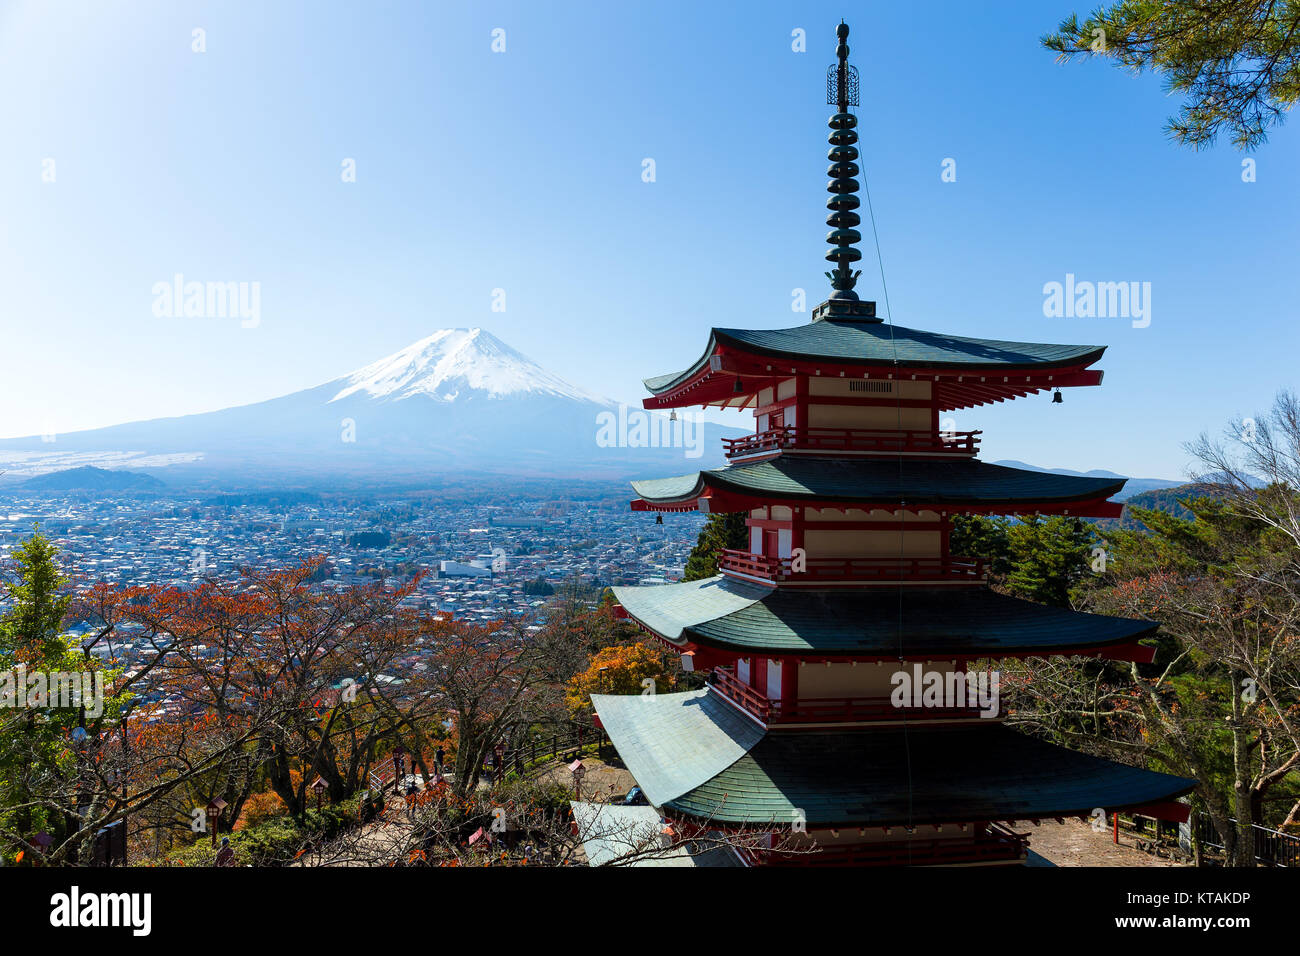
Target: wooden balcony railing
<point>843,570</point>
<point>825,710</point>
<point>853,439</point>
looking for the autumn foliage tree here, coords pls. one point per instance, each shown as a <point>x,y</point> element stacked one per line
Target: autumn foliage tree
<point>627,669</point>
<point>1209,706</point>
<point>239,686</point>
<point>267,659</point>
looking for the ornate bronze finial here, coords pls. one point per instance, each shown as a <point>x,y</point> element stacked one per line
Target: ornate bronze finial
<point>842,92</point>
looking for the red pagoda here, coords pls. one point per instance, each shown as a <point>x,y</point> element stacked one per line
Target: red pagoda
<point>848,588</point>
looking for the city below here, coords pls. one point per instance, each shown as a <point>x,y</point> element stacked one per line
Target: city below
<point>479,557</point>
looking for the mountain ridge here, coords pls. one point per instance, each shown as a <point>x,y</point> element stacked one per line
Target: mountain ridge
<point>92,478</point>
<point>1132,486</point>
<point>458,400</point>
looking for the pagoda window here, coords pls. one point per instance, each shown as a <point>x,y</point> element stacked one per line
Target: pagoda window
<point>742,670</point>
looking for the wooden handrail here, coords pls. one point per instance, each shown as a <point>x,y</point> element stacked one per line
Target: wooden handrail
<point>854,439</point>
<point>825,709</point>
<point>741,693</point>
<point>853,569</point>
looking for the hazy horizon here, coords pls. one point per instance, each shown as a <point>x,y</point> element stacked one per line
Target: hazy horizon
<point>134,158</point>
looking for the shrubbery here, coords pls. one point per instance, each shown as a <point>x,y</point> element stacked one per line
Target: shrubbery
<point>274,842</point>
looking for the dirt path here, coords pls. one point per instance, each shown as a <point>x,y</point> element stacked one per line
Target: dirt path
<point>376,843</point>
<point>1074,843</point>
<point>600,778</point>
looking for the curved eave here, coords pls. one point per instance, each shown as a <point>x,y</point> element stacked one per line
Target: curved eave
<point>969,486</point>
<point>721,619</point>
<point>915,348</point>
<point>710,503</point>
<point>664,383</point>
<point>668,610</point>
<point>914,776</point>
<point>672,743</point>
<point>913,499</point>
<point>670,494</point>
<point>958,384</point>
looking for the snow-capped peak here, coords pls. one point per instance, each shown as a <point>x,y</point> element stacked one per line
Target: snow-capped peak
<point>452,362</point>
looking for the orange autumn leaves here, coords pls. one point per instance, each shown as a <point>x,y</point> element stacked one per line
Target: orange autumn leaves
<point>624,669</point>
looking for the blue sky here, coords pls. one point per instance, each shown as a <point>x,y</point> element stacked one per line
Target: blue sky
<point>522,171</point>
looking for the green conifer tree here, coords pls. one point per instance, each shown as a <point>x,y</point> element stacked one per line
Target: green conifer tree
<point>1049,557</point>
<point>721,531</point>
<point>1235,62</point>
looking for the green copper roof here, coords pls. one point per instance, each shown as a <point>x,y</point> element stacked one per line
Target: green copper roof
<point>671,609</point>
<point>895,776</point>
<point>867,344</point>
<point>884,480</point>
<point>910,621</point>
<point>672,743</point>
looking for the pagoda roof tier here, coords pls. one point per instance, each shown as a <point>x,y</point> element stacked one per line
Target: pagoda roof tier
<point>967,371</point>
<point>676,741</point>
<point>912,622</point>
<point>887,776</point>
<point>964,485</point>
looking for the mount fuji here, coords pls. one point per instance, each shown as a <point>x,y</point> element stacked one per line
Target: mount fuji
<point>458,401</point>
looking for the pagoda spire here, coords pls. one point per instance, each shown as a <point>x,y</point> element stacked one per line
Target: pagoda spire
<point>842,93</point>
